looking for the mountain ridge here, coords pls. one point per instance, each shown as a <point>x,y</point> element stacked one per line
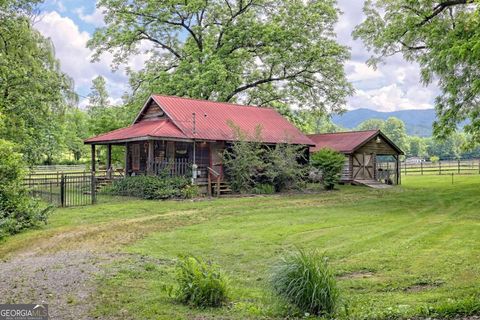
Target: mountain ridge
<point>418,122</point>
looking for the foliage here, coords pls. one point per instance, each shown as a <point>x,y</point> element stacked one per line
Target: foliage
<point>371,124</point>
<point>35,94</point>
<point>246,235</point>
<point>330,164</point>
<point>305,280</point>
<point>264,188</point>
<point>434,159</point>
<point>154,187</point>
<point>229,50</point>
<point>443,38</point>
<point>248,163</point>
<point>17,210</point>
<point>393,128</point>
<point>200,283</point>
<point>308,121</point>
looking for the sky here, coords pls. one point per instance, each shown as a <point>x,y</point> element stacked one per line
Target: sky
<point>394,85</point>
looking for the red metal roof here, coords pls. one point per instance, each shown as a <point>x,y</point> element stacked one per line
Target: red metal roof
<point>212,122</point>
<point>152,128</point>
<point>345,142</point>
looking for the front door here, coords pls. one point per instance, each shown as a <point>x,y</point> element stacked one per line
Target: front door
<point>363,166</point>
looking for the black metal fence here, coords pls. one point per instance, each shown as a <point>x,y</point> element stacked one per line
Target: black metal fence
<point>63,190</point>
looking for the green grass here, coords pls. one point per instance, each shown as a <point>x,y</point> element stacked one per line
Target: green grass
<point>411,250</point>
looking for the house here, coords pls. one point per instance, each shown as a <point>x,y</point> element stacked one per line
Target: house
<point>176,134</point>
<point>370,155</point>
<point>414,160</point>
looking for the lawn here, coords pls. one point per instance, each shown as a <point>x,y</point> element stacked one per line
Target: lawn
<point>406,251</point>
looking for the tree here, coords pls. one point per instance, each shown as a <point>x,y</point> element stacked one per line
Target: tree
<point>308,121</point>
<point>34,93</point>
<point>252,51</point>
<point>77,130</point>
<point>417,146</point>
<point>443,37</point>
<point>371,124</point>
<point>17,210</point>
<point>103,116</point>
<point>330,164</point>
<point>393,128</point>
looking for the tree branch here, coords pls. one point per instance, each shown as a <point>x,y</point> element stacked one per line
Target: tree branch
<point>442,6</point>
<point>161,44</point>
<point>269,79</point>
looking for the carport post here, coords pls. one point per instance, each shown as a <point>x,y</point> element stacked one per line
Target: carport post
<point>93,158</point>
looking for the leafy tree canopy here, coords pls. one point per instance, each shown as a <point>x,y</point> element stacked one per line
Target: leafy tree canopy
<point>393,127</point>
<point>249,51</point>
<point>34,93</point>
<point>443,37</point>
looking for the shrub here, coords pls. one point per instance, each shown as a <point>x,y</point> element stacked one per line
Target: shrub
<point>200,283</point>
<point>249,163</point>
<point>286,168</point>
<point>305,280</point>
<point>264,188</point>
<point>330,164</point>
<point>17,210</point>
<point>154,187</point>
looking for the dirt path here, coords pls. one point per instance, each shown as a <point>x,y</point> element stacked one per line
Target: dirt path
<point>63,280</point>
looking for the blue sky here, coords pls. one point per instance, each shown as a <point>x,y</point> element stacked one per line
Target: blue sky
<point>394,85</point>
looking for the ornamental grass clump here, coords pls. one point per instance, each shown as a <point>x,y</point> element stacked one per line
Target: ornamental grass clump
<point>200,283</point>
<point>305,280</point>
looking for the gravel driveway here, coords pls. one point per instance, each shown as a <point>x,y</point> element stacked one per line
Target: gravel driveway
<point>63,280</point>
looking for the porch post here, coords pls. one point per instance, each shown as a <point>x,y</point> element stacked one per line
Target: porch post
<point>109,160</point>
<point>397,169</point>
<point>93,158</point>
<point>150,157</point>
<point>126,159</point>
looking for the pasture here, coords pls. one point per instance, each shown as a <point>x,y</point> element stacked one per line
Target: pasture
<point>402,252</point>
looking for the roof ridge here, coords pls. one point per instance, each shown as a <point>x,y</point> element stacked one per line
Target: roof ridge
<point>343,132</point>
<point>216,102</point>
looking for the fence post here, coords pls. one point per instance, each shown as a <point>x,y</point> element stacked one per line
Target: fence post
<point>458,166</point>
<point>405,166</point>
<point>439,167</point>
<point>62,191</point>
<point>93,188</point>
<point>421,167</point>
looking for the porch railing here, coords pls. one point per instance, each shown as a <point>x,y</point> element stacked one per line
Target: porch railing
<point>215,176</point>
<point>173,167</point>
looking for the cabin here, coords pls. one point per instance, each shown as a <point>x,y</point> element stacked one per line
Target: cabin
<point>370,156</point>
<point>188,136</point>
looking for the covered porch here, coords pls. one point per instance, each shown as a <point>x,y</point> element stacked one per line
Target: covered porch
<point>199,160</point>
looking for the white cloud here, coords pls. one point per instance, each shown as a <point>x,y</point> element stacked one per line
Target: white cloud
<point>358,71</point>
<point>96,18</point>
<point>394,85</point>
<point>70,46</point>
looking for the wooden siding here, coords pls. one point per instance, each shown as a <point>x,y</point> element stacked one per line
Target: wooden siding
<point>152,111</point>
<point>347,169</point>
<point>382,148</point>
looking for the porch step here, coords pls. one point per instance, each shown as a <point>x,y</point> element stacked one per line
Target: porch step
<point>224,188</point>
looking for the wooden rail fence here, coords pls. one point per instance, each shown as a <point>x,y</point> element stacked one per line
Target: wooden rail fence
<point>470,166</point>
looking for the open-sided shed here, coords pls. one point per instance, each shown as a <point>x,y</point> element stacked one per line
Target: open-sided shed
<point>363,151</point>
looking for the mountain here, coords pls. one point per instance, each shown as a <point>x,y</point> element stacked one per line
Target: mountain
<point>417,122</point>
